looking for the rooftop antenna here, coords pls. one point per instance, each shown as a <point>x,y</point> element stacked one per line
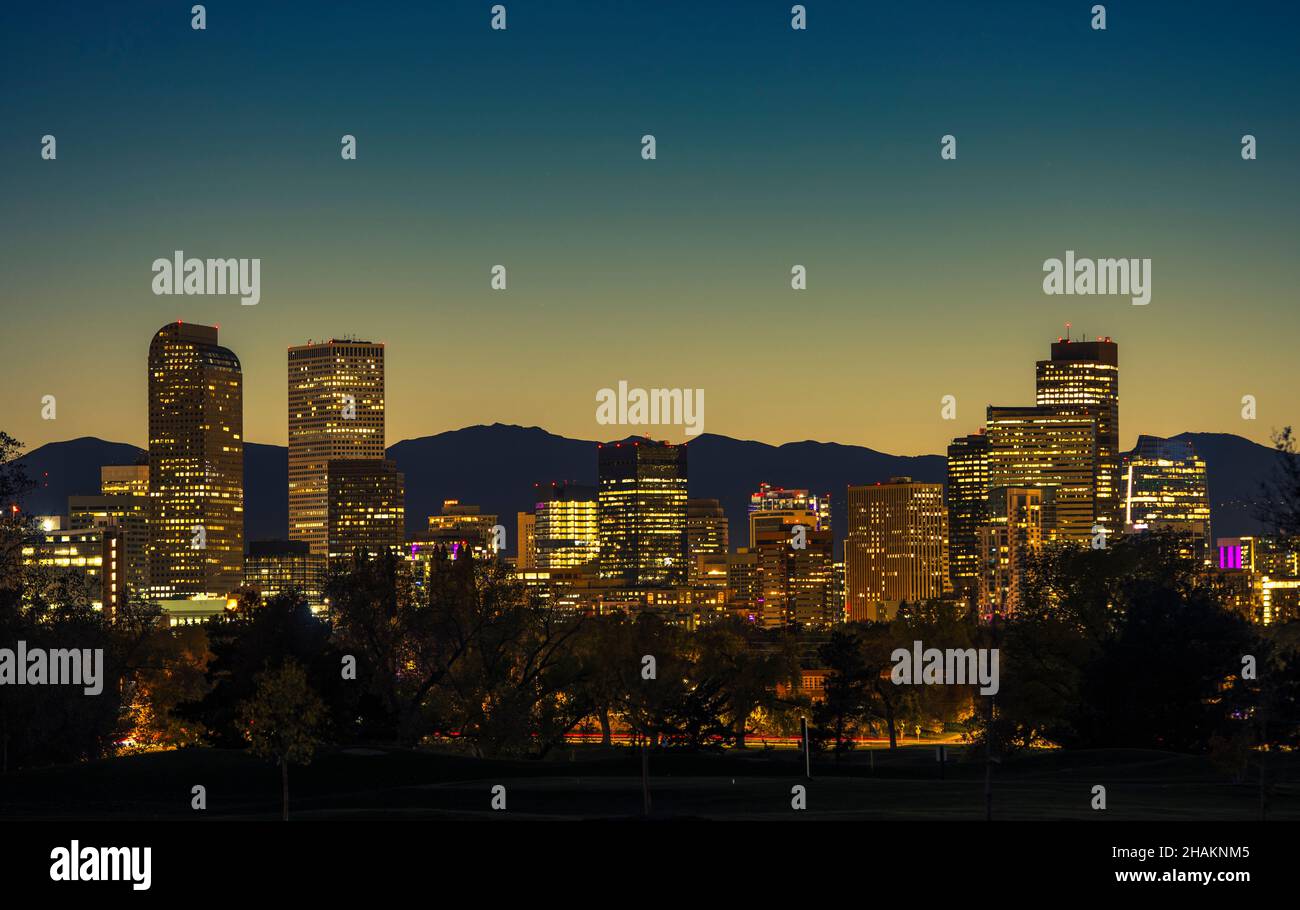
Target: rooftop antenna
<point>1067,331</point>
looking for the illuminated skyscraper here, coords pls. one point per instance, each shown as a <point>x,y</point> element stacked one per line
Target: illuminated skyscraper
<point>196,464</point>
<point>1013,534</point>
<point>1054,450</point>
<point>274,567</point>
<point>897,547</point>
<point>771,507</point>
<point>366,509</point>
<point>642,512</point>
<point>122,503</point>
<point>707,541</point>
<point>336,410</point>
<point>968,509</point>
<point>567,525</point>
<point>1165,487</point>
<point>1083,378</point>
<point>526,538</point>
<point>796,583</point>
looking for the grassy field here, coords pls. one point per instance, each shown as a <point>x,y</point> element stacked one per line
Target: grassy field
<point>588,782</point>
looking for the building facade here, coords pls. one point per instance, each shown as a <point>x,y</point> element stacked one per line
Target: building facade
<point>642,512</point>
<point>897,547</point>
<point>336,411</point>
<point>196,464</point>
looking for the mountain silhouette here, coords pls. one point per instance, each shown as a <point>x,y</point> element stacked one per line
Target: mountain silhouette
<point>496,466</point>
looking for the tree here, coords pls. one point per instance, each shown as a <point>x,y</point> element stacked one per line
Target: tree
<point>282,721</point>
<point>1280,506</point>
<point>848,683</point>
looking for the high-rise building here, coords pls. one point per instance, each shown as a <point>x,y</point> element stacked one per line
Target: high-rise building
<point>336,411</point>
<point>1165,488</point>
<point>897,547</point>
<point>743,590</point>
<point>124,480</point>
<point>707,539</point>
<point>567,525</point>
<point>1082,377</point>
<point>122,503</point>
<point>796,578</point>
<point>642,512</point>
<point>93,555</point>
<point>775,507</point>
<point>968,509</point>
<point>1013,534</point>
<point>460,527</point>
<point>196,464</point>
<point>366,510</point>
<point>1052,449</point>
<point>526,535</point>
<point>275,566</point>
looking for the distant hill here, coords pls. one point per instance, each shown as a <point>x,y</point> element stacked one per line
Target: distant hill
<point>496,466</point>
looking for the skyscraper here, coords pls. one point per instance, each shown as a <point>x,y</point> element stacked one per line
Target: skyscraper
<point>1165,487</point>
<point>968,509</point>
<point>642,512</point>
<point>1052,449</point>
<point>897,547</point>
<point>336,410</point>
<point>707,539</point>
<point>196,464</point>
<point>365,510</point>
<point>796,583</point>
<point>1014,533</point>
<point>566,525</point>
<point>122,503</point>
<point>771,506</point>
<point>1082,377</point>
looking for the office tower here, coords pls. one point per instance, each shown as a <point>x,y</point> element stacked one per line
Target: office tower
<point>968,509</point>
<point>642,512</point>
<point>92,556</point>
<point>1165,488</point>
<point>526,535</point>
<point>365,507</point>
<point>897,547</point>
<point>1052,449</point>
<point>460,528</point>
<point>336,410</point>
<point>1083,378</point>
<point>129,515</point>
<point>742,583</point>
<point>122,503</point>
<point>1013,534</point>
<point>567,525</point>
<point>707,537</point>
<point>196,464</point>
<point>124,480</point>
<point>795,577</point>
<point>771,506</point>
<point>273,567</point>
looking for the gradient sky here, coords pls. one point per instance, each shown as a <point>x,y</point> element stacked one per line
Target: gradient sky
<point>775,147</point>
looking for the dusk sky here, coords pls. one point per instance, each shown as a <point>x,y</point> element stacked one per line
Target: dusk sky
<point>775,147</point>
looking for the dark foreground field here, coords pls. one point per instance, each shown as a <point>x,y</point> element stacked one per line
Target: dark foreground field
<point>591,783</point>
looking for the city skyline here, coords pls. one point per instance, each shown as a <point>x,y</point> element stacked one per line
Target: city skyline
<point>908,256</point>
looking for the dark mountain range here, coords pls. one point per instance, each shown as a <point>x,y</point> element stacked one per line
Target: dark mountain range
<point>496,466</point>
